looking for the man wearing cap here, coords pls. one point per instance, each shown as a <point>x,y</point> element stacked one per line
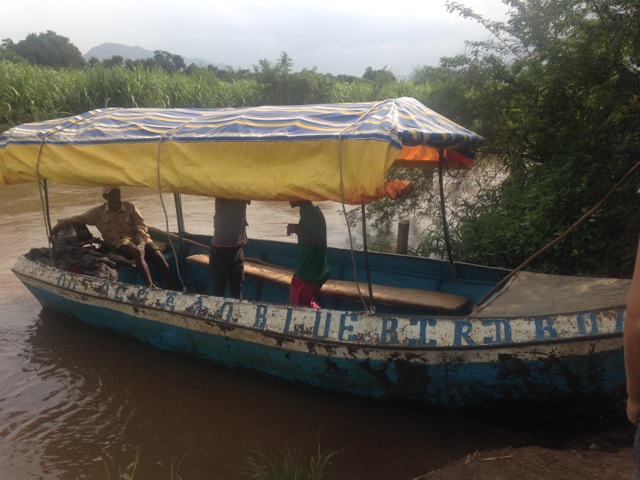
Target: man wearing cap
<point>123,229</point>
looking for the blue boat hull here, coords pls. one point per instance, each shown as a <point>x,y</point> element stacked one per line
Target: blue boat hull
<point>462,361</point>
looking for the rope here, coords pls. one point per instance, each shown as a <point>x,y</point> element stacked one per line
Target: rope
<point>344,210</point>
<point>443,210</point>
<point>164,208</point>
<point>366,258</point>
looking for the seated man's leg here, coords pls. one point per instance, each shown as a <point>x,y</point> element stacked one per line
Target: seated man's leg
<point>130,251</point>
<point>153,253</point>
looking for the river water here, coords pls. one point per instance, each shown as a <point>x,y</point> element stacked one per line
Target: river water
<point>80,403</point>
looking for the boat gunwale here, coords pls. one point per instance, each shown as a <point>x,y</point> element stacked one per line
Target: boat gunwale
<point>401,348</point>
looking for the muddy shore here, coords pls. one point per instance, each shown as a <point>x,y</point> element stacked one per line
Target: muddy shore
<point>593,445</point>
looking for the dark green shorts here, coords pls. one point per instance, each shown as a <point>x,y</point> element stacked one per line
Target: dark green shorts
<point>149,249</point>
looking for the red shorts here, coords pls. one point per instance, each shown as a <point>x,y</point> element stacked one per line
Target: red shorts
<point>301,293</point>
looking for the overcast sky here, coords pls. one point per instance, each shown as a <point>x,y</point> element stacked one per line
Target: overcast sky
<point>334,36</point>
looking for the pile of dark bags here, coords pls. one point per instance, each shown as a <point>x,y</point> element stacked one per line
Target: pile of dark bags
<point>86,261</point>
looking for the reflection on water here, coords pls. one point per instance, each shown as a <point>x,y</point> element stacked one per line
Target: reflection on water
<point>73,398</point>
<point>82,398</point>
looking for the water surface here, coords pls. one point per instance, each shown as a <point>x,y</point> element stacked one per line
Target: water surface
<point>75,401</point>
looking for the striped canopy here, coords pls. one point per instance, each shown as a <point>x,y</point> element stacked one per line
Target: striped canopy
<point>337,152</point>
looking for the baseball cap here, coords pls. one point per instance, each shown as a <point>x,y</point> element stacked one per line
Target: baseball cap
<point>107,189</point>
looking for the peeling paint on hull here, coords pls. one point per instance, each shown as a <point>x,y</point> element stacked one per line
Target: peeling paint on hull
<point>431,360</point>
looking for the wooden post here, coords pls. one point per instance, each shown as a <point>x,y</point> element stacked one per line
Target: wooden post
<point>403,237</point>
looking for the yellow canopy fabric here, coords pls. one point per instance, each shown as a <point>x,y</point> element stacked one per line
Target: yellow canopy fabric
<point>336,152</point>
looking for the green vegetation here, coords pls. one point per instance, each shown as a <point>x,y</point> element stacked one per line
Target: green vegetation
<point>560,102</point>
<point>555,92</point>
<point>294,467</point>
<point>47,49</point>
<point>30,92</point>
<point>130,472</point>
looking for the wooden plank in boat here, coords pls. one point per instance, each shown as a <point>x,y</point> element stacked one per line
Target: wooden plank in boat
<point>535,294</point>
<point>382,294</point>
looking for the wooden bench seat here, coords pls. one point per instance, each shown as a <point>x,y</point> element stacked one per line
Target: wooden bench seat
<point>382,294</point>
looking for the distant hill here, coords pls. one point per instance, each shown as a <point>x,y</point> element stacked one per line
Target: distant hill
<point>108,50</point>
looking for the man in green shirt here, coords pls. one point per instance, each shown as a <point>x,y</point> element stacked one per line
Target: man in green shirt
<point>313,265</point>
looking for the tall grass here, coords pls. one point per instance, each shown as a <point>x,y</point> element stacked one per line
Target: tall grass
<point>294,466</point>
<point>130,472</point>
<point>32,93</point>
<point>28,93</point>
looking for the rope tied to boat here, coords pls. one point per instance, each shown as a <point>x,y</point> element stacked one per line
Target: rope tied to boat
<point>371,306</point>
<point>443,212</point>
<point>180,221</point>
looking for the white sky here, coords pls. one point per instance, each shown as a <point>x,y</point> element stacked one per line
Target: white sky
<point>338,37</point>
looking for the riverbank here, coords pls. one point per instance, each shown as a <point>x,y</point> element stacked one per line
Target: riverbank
<point>596,446</point>
<point>536,463</point>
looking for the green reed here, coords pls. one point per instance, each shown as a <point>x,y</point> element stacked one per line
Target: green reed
<point>294,466</point>
<point>32,93</point>
<point>130,472</point>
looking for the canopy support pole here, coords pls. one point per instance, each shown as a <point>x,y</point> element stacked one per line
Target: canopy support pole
<point>47,212</point>
<point>372,307</point>
<point>179,216</point>
<point>180,221</point>
<point>43,189</point>
<point>44,198</point>
<point>443,212</point>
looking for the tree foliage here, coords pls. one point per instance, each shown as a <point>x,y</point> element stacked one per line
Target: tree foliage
<point>47,49</point>
<point>169,62</point>
<point>556,92</point>
<point>281,86</point>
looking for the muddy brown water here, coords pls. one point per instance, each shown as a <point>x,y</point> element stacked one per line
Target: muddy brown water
<point>76,402</point>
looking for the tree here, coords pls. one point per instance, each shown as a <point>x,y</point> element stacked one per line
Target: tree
<point>280,86</point>
<point>114,61</point>
<point>169,62</point>
<point>6,50</point>
<point>285,64</point>
<point>556,94</point>
<point>48,49</point>
<point>346,78</point>
<point>379,76</point>
<point>556,91</point>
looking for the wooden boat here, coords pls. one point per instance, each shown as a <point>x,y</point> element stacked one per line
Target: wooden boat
<point>391,326</point>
